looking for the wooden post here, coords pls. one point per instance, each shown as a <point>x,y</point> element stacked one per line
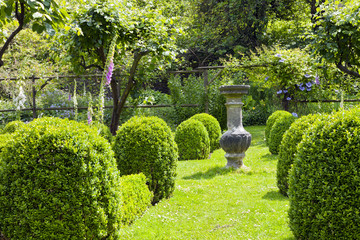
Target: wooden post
<point>206,83</point>
<point>34,97</point>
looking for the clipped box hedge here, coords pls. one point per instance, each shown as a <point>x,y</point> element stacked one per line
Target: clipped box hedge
<point>270,122</point>
<point>136,197</point>
<point>213,128</point>
<point>11,127</point>
<point>146,145</point>
<point>288,148</point>
<point>324,187</point>
<point>59,180</point>
<point>281,125</point>
<point>193,140</point>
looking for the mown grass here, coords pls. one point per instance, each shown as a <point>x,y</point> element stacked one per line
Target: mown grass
<point>211,202</point>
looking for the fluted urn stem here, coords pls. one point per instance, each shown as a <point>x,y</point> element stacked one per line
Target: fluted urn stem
<point>236,140</point>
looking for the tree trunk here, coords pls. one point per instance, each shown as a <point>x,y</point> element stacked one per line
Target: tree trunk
<point>119,103</point>
<point>20,16</point>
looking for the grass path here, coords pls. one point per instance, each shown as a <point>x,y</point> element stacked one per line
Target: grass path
<point>211,202</point>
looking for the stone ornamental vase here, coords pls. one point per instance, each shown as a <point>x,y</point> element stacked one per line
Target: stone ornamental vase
<point>236,140</point>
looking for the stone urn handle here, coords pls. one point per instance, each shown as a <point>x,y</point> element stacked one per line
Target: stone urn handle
<point>236,140</point>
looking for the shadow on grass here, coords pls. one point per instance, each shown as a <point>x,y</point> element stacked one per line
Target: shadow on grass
<point>275,195</point>
<point>211,173</point>
<point>269,157</point>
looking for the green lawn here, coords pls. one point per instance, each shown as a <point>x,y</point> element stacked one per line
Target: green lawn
<point>211,202</point>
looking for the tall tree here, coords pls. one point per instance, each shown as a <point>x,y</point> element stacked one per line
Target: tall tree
<point>222,27</point>
<point>40,15</point>
<point>142,30</point>
<point>336,38</point>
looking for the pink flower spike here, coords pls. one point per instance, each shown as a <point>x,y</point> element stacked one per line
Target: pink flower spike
<point>109,73</point>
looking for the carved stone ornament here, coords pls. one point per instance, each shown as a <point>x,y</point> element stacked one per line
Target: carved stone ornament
<point>236,140</point>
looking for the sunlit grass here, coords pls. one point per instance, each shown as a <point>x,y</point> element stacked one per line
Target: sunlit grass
<point>211,202</point>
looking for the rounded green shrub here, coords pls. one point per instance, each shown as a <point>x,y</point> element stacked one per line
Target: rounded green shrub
<point>4,139</point>
<point>277,131</point>
<point>11,127</point>
<point>136,197</point>
<point>213,128</point>
<point>270,122</point>
<point>103,131</point>
<point>324,188</point>
<point>146,145</point>
<point>288,149</point>
<point>192,140</point>
<point>59,180</point>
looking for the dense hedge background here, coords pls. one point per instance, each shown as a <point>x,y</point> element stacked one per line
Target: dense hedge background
<point>146,145</point>
<point>59,180</point>
<point>324,186</point>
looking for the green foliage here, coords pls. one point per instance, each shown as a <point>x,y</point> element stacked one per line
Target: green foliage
<point>336,38</point>
<point>288,149</point>
<point>219,28</point>
<point>212,127</point>
<point>11,127</point>
<point>59,180</point>
<point>41,15</point>
<point>136,197</point>
<point>193,140</point>
<point>4,138</point>
<point>103,131</point>
<point>324,181</point>
<point>187,91</point>
<point>271,121</point>
<point>281,125</point>
<point>146,145</point>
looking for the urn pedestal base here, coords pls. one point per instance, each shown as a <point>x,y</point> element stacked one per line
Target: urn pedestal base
<point>236,140</point>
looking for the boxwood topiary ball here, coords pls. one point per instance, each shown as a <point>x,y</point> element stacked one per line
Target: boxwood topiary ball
<point>277,131</point>
<point>146,145</point>
<point>288,148</point>
<point>270,122</point>
<point>324,187</point>
<point>193,140</point>
<point>59,180</point>
<point>213,128</point>
<point>11,127</point>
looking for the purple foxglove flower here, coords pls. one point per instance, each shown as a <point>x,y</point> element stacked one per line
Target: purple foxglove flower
<point>288,98</point>
<point>279,92</point>
<point>109,73</point>
<point>278,55</point>
<point>89,118</point>
<point>282,60</point>
<point>295,114</point>
<point>317,82</point>
<point>307,75</point>
<point>308,84</point>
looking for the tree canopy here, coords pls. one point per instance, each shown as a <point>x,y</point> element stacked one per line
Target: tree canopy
<point>40,15</point>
